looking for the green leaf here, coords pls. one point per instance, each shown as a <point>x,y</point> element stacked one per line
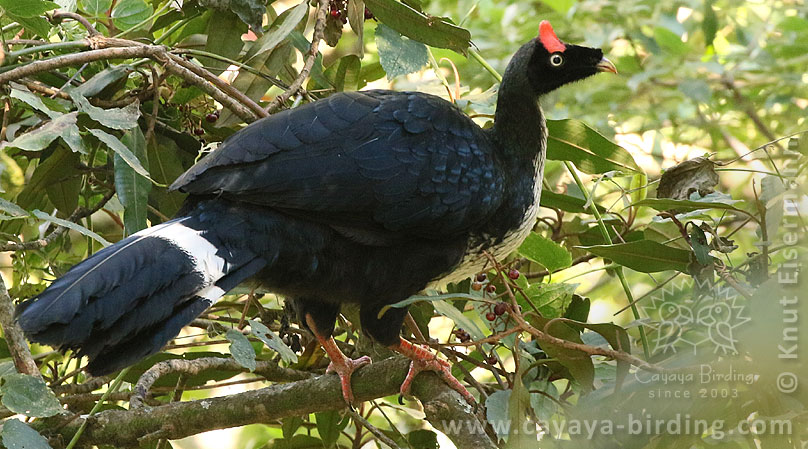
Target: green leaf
<point>47,172</point>
<point>41,137</point>
<point>356,19</point>
<point>329,426</point>
<point>398,54</point>
<point>165,166</point>
<point>670,41</point>
<point>250,12</point>
<point>70,225</point>
<point>346,74</point>
<point>133,189</point>
<point>709,26</point>
<point>451,312</point>
<point>708,202</point>
<point>430,30</point>
<point>72,137</point>
<point>30,396</point>
<point>701,248</point>
<point>645,256</point>
<point>115,118</point>
<point>128,13</point>
<point>279,30</point>
<point>273,341</point>
<point>546,252</point>
<point>17,435</point>
<point>619,341</point>
<point>518,406</point>
<point>578,363</point>
<point>63,192</point>
<point>37,25</point>
<point>104,78</point>
<point>423,439</point>
<point>574,141</point>
<point>224,39</point>
<point>96,8</point>
<point>241,349</point>
<point>22,93</point>
<point>496,411</point>
<point>567,203</point>
<point>26,8</point>
<point>122,150</point>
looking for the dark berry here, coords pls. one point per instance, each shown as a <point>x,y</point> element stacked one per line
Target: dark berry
<point>490,316</point>
<point>211,118</point>
<point>465,337</point>
<point>491,359</point>
<point>476,286</point>
<point>199,131</point>
<point>368,14</point>
<point>491,288</point>
<point>513,274</point>
<point>500,308</point>
<point>458,331</point>
<point>481,277</point>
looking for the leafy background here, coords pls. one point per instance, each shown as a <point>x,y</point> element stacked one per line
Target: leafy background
<point>721,84</point>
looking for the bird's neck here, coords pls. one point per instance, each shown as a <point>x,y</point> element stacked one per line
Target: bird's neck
<point>519,125</point>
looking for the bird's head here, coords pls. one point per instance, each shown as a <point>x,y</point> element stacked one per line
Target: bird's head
<point>546,63</point>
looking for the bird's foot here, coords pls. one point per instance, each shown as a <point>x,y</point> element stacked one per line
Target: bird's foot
<point>345,369</point>
<point>424,360</point>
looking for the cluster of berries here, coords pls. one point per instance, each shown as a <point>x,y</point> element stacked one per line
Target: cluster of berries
<point>210,118</point>
<point>339,11</point>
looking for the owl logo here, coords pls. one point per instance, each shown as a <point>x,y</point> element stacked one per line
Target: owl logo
<point>681,322</point>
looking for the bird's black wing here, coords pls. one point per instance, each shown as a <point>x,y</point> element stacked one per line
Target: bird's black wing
<point>372,164</point>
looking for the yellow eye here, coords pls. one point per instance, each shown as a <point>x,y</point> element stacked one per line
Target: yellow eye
<point>556,60</point>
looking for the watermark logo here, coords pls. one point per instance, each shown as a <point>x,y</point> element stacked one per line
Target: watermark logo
<point>693,316</point>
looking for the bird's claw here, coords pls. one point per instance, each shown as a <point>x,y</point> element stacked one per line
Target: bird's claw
<point>345,369</point>
<point>443,369</point>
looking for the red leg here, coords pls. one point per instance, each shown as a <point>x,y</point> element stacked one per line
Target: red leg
<point>423,360</point>
<point>339,363</point>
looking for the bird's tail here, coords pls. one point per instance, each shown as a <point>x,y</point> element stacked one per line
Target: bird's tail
<point>128,300</point>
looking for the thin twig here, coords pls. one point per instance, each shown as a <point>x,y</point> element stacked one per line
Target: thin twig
<point>311,56</point>
<point>59,15</point>
<point>373,429</point>
<point>17,346</point>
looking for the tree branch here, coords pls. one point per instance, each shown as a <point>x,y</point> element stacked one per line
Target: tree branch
<point>123,428</point>
<point>311,56</point>
<point>270,370</point>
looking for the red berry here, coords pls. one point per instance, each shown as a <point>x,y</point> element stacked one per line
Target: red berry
<point>211,118</point>
<point>500,308</point>
<point>490,316</point>
<point>513,274</point>
<point>199,131</point>
<point>476,286</point>
<point>491,359</point>
<point>334,13</point>
<point>368,14</point>
<point>491,288</point>
<point>481,277</point>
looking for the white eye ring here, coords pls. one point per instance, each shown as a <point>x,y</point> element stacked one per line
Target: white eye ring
<point>556,60</point>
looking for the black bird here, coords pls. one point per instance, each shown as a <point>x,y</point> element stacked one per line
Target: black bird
<point>365,197</point>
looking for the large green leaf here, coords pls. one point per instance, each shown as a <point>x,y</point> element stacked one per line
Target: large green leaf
<point>709,202</point>
<point>29,396</point>
<point>567,203</point>
<point>241,349</point>
<point>250,12</point>
<point>22,93</point>
<point>645,256</point>
<point>115,118</point>
<point>273,341</point>
<point>17,435</point>
<point>546,252</point>
<point>122,150</point>
<point>104,78</point>
<point>128,13</point>
<point>39,138</point>
<point>398,54</point>
<point>95,8</point>
<point>224,39</point>
<point>279,30</point>
<point>574,141</point>
<point>578,363</point>
<point>430,30</point>
<point>26,8</point>
<point>132,188</point>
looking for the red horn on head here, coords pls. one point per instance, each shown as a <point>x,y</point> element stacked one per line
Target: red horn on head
<point>548,38</point>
